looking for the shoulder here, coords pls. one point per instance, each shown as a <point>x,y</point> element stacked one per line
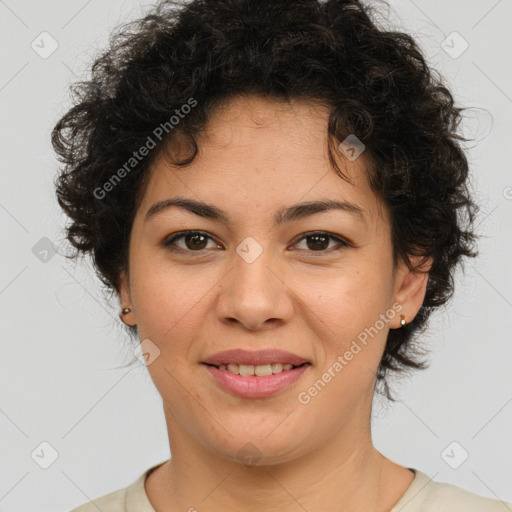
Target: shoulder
<point>425,495</point>
<point>128,499</point>
<point>450,498</point>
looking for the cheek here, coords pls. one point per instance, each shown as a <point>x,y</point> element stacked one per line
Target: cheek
<point>344,312</point>
<point>172,300</point>
<point>346,300</point>
<point>169,300</point>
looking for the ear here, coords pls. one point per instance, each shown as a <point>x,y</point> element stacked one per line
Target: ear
<point>411,286</point>
<point>125,298</point>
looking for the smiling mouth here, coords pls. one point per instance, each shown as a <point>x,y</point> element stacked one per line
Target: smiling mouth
<point>261,370</point>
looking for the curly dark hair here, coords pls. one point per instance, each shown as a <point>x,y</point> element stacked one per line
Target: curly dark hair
<point>375,82</point>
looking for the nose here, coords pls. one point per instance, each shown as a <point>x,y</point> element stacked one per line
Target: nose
<point>254,295</point>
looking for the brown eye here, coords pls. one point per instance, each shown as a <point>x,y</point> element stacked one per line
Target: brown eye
<point>194,241</point>
<point>319,241</point>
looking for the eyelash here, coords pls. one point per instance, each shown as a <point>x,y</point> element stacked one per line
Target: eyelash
<point>170,241</point>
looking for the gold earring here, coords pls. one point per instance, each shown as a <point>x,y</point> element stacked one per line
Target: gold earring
<point>124,311</point>
<point>402,321</point>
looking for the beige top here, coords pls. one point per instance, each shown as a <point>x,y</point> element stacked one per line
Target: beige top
<point>423,495</point>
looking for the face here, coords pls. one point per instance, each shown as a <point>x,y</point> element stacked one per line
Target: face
<point>319,284</point>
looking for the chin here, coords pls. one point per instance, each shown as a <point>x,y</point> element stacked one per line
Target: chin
<point>260,449</point>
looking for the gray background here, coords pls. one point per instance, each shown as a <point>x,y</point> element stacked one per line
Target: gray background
<point>61,342</point>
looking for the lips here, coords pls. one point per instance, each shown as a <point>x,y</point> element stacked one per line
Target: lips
<point>254,358</point>
<point>253,386</point>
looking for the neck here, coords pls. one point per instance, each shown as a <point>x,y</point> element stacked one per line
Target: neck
<point>346,475</point>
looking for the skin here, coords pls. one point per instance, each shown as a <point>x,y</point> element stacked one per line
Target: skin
<point>312,302</point>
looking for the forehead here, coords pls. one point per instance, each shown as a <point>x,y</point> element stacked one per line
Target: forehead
<point>260,153</point>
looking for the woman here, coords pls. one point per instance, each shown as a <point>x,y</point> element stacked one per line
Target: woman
<point>275,192</point>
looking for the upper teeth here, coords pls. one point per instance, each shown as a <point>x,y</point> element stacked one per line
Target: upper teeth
<point>260,370</point>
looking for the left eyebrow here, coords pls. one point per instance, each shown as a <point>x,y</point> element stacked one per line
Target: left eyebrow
<point>288,214</point>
